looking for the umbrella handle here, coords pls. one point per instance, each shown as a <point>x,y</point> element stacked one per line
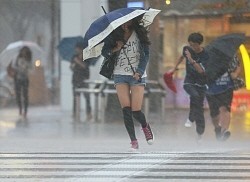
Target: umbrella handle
<point>104,10</point>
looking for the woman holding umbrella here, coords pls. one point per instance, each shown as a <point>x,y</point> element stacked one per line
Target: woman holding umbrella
<point>22,67</point>
<point>129,44</point>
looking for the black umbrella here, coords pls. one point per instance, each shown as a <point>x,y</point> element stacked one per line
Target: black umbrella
<point>221,51</point>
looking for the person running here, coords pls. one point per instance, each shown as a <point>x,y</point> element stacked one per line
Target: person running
<point>130,45</point>
<point>219,96</point>
<point>22,67</point>
<point>195,81</point>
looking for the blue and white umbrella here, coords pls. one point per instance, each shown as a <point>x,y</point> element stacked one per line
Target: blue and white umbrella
<point>103,26</point>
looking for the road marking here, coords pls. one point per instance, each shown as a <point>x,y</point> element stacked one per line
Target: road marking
<point>124,166</point>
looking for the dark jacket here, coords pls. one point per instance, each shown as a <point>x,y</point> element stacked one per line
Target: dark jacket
<point>79,73</point>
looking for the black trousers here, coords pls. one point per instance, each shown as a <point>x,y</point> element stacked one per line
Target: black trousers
<point>22,98</point>
<point>196,113</point>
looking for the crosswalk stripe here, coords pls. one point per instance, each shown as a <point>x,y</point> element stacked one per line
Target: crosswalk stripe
<point>125,166</point>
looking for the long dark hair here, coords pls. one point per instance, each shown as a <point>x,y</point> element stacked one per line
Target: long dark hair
<point>140,30</point>
<point>116,35</point>
<point>137,26</point>
<point>25,53</point>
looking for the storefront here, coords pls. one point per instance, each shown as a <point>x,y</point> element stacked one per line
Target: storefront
<point>212,20</point>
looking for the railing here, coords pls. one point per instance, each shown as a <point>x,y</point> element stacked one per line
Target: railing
<point>95,87</point>
<point>155,87</point>
<point>101,90</point>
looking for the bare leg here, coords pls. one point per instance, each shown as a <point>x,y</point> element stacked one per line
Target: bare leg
<point>224,118</point>
<point>216,121</point>
<point>224,123</point>
<point>137,93</point>
<point>123,93</point>
<point>217,127</point>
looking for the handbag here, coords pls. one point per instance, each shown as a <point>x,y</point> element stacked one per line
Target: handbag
<point>107,67</point>
<point>11,71</point>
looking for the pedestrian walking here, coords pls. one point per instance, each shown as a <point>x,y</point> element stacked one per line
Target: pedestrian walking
<point>22,67</point>
<point>195,81</point>
<point>81,73</point>
<point>129,44</point>
<point>219,96</point>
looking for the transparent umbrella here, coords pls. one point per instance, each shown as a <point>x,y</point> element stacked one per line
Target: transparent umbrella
<point>10,53</point>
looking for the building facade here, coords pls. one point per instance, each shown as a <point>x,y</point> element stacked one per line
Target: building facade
<point>212,19</point>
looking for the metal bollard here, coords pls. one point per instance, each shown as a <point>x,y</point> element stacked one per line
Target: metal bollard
<point>154,87</point>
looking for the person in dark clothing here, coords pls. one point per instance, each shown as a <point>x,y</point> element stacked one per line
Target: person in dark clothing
<point>80,74</point>
<point>22,67</point>
<point>195,80</point>
<point>219,96</point>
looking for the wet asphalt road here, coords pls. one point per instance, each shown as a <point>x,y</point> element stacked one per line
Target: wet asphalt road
<point>51,146</point>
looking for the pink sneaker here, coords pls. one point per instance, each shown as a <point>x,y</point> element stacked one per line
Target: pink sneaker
<point>148,134</point>
<point>134,145</point>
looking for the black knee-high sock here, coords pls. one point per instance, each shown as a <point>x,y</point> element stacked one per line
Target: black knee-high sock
<point>128,121</point>
<point>139,116</point>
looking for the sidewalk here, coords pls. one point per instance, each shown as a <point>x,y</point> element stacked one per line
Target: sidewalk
<point>49,129</point>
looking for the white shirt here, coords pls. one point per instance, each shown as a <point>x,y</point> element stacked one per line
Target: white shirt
<point>22,67</point>
<point>132,50</point>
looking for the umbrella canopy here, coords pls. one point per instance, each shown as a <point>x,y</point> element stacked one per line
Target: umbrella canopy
<point>66,47</point>
<point>11,52</point>
<point>168,78</point>
<point>104,25</point>
<point>221,51</point>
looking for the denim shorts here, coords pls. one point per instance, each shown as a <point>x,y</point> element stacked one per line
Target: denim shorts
<point>128,79</point>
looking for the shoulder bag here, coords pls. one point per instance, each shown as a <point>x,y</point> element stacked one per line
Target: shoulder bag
<point>107,67</point>
<point>11,71</point>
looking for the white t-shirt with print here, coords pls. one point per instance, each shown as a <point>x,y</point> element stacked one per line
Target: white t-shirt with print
<point>132,49</point>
